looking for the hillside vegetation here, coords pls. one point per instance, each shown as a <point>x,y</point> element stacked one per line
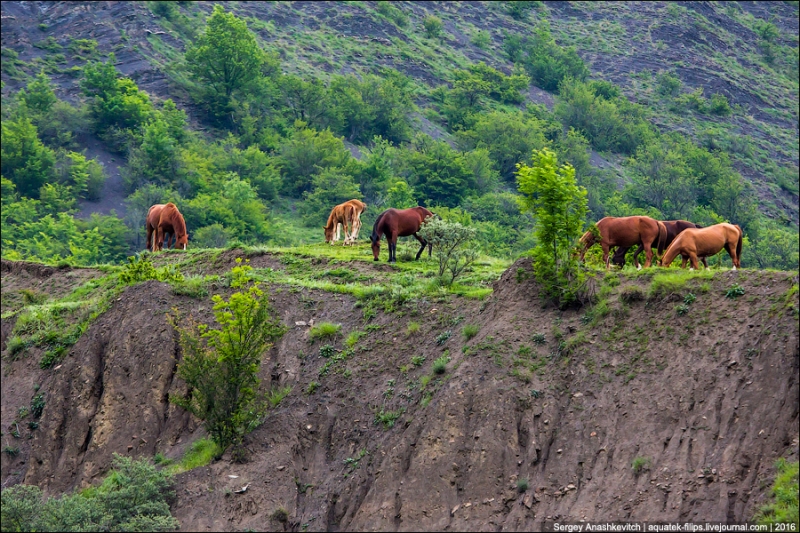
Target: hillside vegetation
<point>396,104</point>
<point>264,379</point>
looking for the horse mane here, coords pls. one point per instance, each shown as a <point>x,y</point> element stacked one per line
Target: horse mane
<point>331,218</point>
<point>178,223</point>
<point>375,226</point>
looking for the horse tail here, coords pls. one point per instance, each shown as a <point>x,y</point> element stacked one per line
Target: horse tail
<point>662,237</point>
<point>739,244</point>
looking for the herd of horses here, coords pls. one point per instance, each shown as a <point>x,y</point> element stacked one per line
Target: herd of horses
<point>670,238</point>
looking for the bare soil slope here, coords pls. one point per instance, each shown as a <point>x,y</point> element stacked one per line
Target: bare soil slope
<point>705,401</point>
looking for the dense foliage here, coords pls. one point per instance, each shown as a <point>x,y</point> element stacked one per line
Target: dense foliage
<point>134,496</point>
<point>279,153</point>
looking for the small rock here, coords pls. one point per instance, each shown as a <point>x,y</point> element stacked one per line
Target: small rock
<point>232,476</point>
<point>577,395</point>
<point>570,487</point>
<point>559,450</point>
<point>593,434</point>
<point>453,512</point>
<point>546,422</point>
<point>280,468</point>
<point>488,501</point>
<point>468,504</point>
<point>130,447</point>
<point>301,323</point>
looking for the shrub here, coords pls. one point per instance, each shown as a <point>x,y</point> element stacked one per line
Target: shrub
<point>221,365</point>
<point>37,405</point>
<point>442,337</point>
<point>734,292</point>
<point>312,387</point>
<point>280,514</point>
<point>324,330</point>
<point>719,105</point>
<point>433,26</point>
<point>522,485</point>
<point>327,351</point>
<point>481,39</point>
<point>418,360</point>
<point>413,327</point>
<point>132,497</point>
<point>440,364</point>
<point>668,84</point>
<point>539,338</point>
<point>639,464</point>
<point>276,396</point>
<point>682,309</point>
<point>469,331</point>
<point>453,246</point>
<point>689,299</point>
<point>387,418</point>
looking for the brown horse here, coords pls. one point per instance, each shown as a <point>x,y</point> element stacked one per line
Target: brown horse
<point>396,223</point>
<point>171,221</point>
<point>701,243</point>
<point>151,226</point>
<point>674,227</point>
<point>345,214</point>
<point>627,231</point>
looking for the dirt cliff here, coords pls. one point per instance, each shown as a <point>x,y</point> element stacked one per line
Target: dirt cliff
<point>643,414</point>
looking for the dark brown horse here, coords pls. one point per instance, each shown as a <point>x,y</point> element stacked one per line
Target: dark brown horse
<point>396,223</point>
<point>171,221</point>
<point>700,243</point>
<point>674,227</point>
<point>626,231</point>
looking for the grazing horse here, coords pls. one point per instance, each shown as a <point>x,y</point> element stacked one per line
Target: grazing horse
<point>674,227</point>
<point>346,214</point>
<point>171,221</point>
<point>701,243</point>
<point>627,231</point>
<point>396,223</point>
<point>151,226</point>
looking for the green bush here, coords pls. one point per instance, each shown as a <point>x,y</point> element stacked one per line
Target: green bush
<point>433,26</point>
<point>639,464</point>
<point>734,292</point>
<point>469,331</point>
<point>221,365</point>
<point>453,246</point>
<point>668,84</point>
<point>133,497</point>
<point>719,105</point>
<point>440,364</point>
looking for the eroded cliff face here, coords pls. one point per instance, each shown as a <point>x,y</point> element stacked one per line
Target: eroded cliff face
<point>702,403</point>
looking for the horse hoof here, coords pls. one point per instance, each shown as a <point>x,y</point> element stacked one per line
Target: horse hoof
<point>638,267</point>
<point>734,267</point>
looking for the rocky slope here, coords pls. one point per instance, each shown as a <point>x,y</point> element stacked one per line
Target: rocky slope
<point>702,404</point>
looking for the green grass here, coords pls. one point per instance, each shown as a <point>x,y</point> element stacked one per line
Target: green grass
<point>675,282</point>
<point>469,331</point>
<point>200,453</point>
<point>440,364</point>
<point>784,508</point>
<point>387,418</point>
<point>353,338</point>
<point>639,464</point>
<point>324,330</point>
<point>275,396</point>
<point>413,327</point>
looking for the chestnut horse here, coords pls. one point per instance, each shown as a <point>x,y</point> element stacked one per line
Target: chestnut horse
<point>627,231</point>
<point>151,226</point>
<point>346,214</point>
<point>674,227</point>
<point>701,243</point>
<point>396,223</point>
<point>171,221</point>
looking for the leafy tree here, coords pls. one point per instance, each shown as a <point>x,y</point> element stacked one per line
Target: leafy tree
<point>663,179</point>
<point>452,246</point>
<point>437,172</point>
<point>39,97</point>
<point>226,59</point>
<point>509,139</point>
<point>559,207</point>
<point>307,153</point>
<point>512,46</point>
<point>308,101</point>
<point>548,63</point>
<point>400,195</point>
<point>24,159</point>
<point>213,236</point>
<point>330,187</point>
<point>221,365</point>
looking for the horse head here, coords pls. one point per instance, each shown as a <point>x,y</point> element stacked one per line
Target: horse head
<point>182,241</point>
<point>328,233</point>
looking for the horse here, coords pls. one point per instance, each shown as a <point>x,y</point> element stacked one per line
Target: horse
<point>345,214</point>
<point>151,226</point>
<point>171,221</point>
<point>674,227</point>
<point>396,223</point>
<point>692,244</point>
<point>626,231</point>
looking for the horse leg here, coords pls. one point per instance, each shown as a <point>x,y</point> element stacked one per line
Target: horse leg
<point>638,251</point>
<point>393,249</point>
<point>648,254</point>
<point>684,258</point>
<point>423,243</point>
<point>732,252</point>
<point>693,260</point>
<point>606,249</point>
